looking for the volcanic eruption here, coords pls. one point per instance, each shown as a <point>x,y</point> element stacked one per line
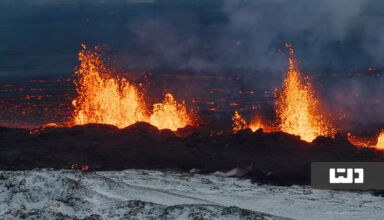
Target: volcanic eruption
<point>104,98</point>
<point>191,109</point>
<point>107,99</point>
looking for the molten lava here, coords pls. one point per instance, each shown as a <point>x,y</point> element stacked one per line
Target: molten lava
<point>297,106</point>
<point>380,141</point>
<point>169,107</point>
<point>102,98</point>
<point>238,122</point>
<point>107,99</point>
<point>377,143</point>
<point>256,124</point>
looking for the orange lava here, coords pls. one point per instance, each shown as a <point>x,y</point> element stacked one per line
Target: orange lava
<point>373,142</point>
<point>107,99</point>
<point>170,114</point>
<point>380,141</point>
<point>36,131</point>
<point>297,106</point>
<point>238,122</point>
<point>256,124</point>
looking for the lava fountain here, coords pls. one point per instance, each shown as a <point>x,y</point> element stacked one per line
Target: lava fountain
<point>297,107</point>
<point>256,123</point>
<point>239,123</point>
<point>102,98</point>
<point>106,99</point>
<point>170,114</point>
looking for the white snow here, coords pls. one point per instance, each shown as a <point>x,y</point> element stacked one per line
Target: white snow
<point>143,193</point>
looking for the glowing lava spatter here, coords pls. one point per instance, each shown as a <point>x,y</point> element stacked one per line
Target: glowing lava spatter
<point>107,99</point>
<point>238,122</point>
<point>297,106</point>
<point>160,116</point>
<point>102,98</point>
<point>256,124</point>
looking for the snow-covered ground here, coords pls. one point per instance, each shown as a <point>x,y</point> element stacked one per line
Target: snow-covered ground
<point>143,194</point>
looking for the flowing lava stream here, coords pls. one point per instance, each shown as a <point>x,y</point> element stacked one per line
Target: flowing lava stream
<point>105,99</point>
<point>297,106</point>
<point>373,142</point>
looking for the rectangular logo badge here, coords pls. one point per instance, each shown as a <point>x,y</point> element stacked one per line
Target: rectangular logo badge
<point>347,175</point>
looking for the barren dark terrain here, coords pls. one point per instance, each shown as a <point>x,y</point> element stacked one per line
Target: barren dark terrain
<point>276,158</point>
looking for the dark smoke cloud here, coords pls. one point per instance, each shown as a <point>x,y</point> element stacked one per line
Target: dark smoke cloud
<point>327,36</point>
<point>244,36</point>
<point>328,33</point>
<point>202,36</point>
<point>315,28</point>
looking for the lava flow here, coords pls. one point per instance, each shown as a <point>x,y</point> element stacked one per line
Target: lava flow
<point>297,107</point>
<point>373,142</point>
<point>107,99</point>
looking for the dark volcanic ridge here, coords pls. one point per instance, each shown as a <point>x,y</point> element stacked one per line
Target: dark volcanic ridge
<point>272,158</point>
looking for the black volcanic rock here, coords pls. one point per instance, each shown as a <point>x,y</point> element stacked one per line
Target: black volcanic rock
<point>276,158</point>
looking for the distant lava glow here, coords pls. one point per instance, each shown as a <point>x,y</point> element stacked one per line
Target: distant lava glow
<point>297,107</point>
<point>107,99</point>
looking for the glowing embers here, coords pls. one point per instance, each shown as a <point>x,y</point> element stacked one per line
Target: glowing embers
<point>297,107</point>
<point>107,99</point>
